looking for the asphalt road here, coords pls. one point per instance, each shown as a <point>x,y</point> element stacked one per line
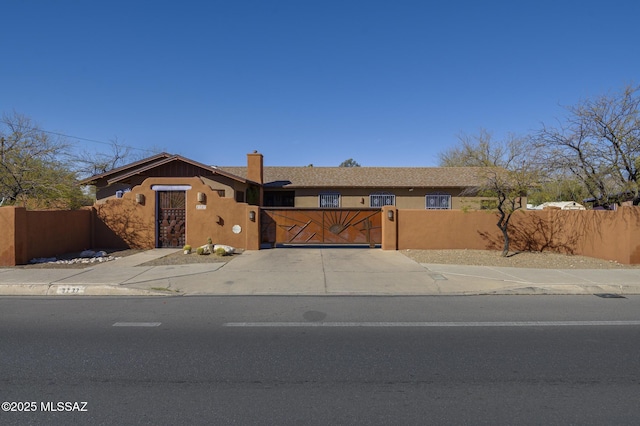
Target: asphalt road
<point>330,360</point>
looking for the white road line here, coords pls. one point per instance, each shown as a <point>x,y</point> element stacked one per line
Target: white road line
<point>136,324</point>
<point>436,324</point>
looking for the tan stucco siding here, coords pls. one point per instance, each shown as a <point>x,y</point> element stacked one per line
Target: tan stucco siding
<point>405,198</point>
<point>105,192</point>
<point>228,186</point>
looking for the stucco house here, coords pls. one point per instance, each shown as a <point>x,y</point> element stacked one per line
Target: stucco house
<point>115,183</point>
<point>356,187</point>
<point>168,200</point>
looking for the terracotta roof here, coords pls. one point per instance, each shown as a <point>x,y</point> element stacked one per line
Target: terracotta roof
<point>369,177</point>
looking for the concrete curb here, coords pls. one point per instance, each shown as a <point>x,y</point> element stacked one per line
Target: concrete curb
<point>48,290</point>
<point>77,290</point>
<point>566,289</point>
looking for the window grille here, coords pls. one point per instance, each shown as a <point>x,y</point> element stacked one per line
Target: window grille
<point>382,199</point>
<point>438,202</point>
<point>330,200</point>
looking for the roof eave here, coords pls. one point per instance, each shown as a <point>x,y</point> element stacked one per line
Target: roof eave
<point>121,173</point>
<point>92,179</point>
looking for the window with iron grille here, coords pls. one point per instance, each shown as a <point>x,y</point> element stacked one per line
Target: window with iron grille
<point>438,202</point>
<point>330,199</point>
<point>380,199</point>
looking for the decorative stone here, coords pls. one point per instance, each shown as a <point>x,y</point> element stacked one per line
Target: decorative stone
<point>227,249</point>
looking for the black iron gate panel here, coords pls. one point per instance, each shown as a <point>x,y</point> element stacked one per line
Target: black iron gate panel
<point>171,218</point>
<point>321,226</point>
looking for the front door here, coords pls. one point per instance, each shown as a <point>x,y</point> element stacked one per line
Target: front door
<point>172,218</point>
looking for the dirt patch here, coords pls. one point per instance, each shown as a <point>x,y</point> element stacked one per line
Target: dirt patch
<point>537,260</point>
<point>179,258</point>
<point>176,258</point>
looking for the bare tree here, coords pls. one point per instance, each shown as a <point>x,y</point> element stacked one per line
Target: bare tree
<point>509,185</point>
<point>507,170</point>
<point>95,163</point>
<point>474,151</point>
<point>91,163</point>
<point>600,145</point>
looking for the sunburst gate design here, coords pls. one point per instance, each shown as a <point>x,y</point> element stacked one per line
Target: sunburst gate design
<point>322,226</point>
<point>337,221</point>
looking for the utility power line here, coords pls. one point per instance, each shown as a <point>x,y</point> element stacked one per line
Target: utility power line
<point>83,139</point>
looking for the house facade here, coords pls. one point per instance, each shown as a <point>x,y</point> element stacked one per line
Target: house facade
<point>168,200</point>
<point>432,188</point>
<point>115,183</point>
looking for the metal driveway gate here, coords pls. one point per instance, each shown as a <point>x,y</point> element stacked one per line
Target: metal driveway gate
<point>321,226</point>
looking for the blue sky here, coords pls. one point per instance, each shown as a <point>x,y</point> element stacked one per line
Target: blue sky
<point>387,83</point>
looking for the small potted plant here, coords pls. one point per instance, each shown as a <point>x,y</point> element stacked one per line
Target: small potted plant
<point>187,249</point>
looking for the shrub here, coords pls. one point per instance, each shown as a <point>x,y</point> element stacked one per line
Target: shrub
<point>187,247</point>
<point>221,252</point>
<point>200,250</point>
<point>209,241</point>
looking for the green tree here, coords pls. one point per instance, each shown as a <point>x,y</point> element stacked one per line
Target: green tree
<point>349,163</point>
<point>558,186</point>
<point>33,172</point>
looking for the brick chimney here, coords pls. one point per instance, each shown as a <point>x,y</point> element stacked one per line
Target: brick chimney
<point>255,167</point>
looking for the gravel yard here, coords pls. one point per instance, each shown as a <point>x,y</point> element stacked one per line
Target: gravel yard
<point>62,259</point>
<point>540,260</point>
<point>177,258</point>
<point>546,260</point>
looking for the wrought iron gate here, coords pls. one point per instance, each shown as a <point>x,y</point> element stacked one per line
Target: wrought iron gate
<point>321,226</point>
<point>171,218</point>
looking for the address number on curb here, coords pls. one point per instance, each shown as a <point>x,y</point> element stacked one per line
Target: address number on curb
<point>70,289</point>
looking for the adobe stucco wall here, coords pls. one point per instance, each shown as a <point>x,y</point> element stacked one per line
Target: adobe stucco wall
<point>610,235</point>
<point>12,239</point>
<point>128,223</point>
<point>27,234</point>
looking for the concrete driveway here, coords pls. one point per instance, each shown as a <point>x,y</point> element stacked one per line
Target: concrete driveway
<point>310,271</point>
<point>324,271</point>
